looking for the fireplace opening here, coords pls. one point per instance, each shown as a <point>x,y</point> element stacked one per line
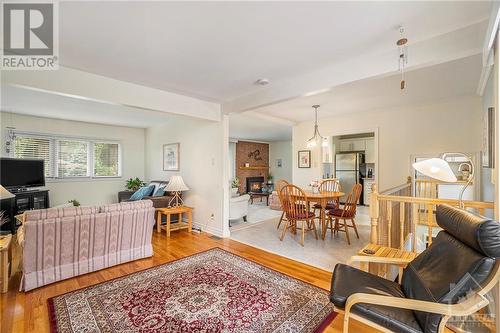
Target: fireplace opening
<point>254,184</point>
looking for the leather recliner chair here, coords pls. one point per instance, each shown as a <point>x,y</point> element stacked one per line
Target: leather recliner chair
<point>437,284</point>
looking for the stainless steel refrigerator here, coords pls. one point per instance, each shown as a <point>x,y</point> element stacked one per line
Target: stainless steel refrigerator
<point>348,168</point>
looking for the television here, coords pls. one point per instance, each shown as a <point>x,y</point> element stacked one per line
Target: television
<point>18,173</point>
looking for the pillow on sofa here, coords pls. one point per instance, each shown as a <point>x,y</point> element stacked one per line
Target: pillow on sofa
<point>159,192</point>
<point>142,192</point>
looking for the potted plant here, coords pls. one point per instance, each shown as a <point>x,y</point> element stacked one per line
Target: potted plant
<point>133,184</point>
<point>75,202</point>
<point>235,184</point>
<point>270,179</point>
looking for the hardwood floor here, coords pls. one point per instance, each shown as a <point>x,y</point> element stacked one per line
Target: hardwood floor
<point>27,312</point>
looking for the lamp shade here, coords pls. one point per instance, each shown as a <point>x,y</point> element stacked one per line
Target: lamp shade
<point>176,184</point>
<point>436,168</point>
<point>4,194</point>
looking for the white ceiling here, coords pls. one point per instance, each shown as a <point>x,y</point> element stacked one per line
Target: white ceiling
<point>248,127</point>
<point>42,104</point>
<point>426,85</point>
<point>216,50</point>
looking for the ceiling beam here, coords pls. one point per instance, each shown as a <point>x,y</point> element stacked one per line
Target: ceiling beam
<point>443,48</point>
<point>83,85</point>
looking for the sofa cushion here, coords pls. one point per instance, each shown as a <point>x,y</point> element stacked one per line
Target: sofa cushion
<point>142,192</point>
<point>348,280</point>
<point>160,191</point>
<point>480,233</point>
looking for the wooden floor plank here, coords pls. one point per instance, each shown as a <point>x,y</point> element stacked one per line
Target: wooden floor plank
<point>27,312</point>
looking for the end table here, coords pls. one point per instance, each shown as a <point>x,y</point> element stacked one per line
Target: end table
<point>5,258</point>
<point>177,226</point>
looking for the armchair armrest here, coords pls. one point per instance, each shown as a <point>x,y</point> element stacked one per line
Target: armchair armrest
<point>465,308</point>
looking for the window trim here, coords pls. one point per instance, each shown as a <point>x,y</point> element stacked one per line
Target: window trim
<point>53,156</point>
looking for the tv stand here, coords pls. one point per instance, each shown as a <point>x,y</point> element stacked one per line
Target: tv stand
<point>25,200</point>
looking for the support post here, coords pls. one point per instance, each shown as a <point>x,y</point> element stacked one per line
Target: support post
<point>374,214</point>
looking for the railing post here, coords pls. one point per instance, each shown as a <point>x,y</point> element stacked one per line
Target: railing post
<point>374,214</point>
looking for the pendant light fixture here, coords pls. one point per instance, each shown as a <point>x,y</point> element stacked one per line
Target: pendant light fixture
<point>403,55</point>
<point>316,138</point>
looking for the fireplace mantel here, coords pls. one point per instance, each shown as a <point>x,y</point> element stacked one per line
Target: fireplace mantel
<point>254,168</point>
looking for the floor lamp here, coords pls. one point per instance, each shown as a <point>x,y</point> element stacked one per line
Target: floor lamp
<point>439,168</point>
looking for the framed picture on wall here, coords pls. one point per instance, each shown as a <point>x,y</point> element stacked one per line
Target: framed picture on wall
<point>171,157</point>
<point>304,159</point>
<point>279,163</point>
<point>488,151</point>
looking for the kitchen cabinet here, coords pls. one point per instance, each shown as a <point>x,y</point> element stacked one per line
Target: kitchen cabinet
<point>352,145</point>
<point>370,151</point>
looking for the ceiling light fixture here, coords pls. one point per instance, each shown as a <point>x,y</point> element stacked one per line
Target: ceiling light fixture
<point>403,55</point>
<point>317,138</point>
<point>262,82</point>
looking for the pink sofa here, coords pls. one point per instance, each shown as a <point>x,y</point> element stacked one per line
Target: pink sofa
<point>60,243</point>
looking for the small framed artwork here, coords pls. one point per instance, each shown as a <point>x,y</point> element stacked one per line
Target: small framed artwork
<point>171,157</point>
<point>488,152</point>
<point>279,163</point>
<point>304,158</point>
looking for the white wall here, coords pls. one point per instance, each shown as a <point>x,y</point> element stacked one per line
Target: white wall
<point>201,165</point>
<point>88,192</point>
<point>281,150</point>
<point>454,125</point>
<point>487,186</point>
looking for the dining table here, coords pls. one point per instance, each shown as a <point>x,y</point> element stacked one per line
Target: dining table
<point>322,198</point>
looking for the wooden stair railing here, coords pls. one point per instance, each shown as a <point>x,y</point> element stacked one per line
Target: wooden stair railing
<point>395,215</point>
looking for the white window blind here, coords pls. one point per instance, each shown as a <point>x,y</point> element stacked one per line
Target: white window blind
<point>106,159</point>
<point>31,147</point>
<point>72,158</point>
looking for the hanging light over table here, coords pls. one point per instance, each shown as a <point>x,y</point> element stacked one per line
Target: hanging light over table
<point>317,138</point>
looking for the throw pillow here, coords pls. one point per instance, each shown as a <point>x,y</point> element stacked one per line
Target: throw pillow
<point>159,192</point>
<point>142,192</point>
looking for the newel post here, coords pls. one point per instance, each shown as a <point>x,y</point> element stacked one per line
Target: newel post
<point>374,215</point>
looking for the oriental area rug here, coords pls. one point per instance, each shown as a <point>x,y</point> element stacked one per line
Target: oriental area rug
<point>212,291</point>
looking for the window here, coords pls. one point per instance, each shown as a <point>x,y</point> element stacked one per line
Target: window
<point>71,157</point>
<point>34,148</point>
<point>106,158</point>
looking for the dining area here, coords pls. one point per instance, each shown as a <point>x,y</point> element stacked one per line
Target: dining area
<point>324,209</point>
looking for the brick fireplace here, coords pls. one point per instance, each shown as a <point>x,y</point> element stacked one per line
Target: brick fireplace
<point>257,156</point>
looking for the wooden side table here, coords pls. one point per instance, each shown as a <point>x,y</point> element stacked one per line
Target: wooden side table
<point>5,258</point>
<point>177,226</point>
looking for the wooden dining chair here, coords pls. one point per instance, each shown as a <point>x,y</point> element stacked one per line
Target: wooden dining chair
<point>279,185</point>
<point>348,212</point>
<point>296,210</point>
<point>328,185</point>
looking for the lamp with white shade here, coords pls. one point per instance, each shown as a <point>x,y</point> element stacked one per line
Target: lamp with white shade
<point>176,185</point>
<point>439,168</point>
<point>4,215</point>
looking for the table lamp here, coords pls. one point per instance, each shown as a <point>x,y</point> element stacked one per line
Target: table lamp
<point>176,185</point>
<point>439,168</point>
<point>5,216</point>
<point>4,194</point>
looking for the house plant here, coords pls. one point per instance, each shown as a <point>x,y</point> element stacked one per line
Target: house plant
<point>133,184</point>
<point>235,184</point>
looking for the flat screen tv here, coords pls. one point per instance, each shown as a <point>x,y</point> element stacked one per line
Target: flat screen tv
<point>17,173</point>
